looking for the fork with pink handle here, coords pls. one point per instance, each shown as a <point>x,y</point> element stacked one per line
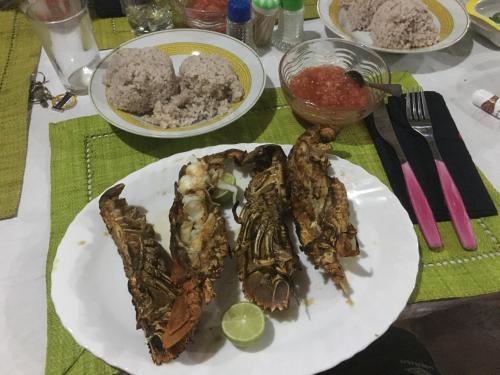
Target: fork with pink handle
<point>419,119</point>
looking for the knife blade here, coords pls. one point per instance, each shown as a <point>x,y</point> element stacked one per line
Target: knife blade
<point>384,127</point>
<point>419,202</point>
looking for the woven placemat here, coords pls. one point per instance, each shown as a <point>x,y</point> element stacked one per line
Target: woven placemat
<point>310,9</point>
<point>89,155</point>
<point>18,58</point>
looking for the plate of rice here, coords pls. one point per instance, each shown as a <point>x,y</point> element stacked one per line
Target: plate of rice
<point>397,26</point>
<point>177,83</point>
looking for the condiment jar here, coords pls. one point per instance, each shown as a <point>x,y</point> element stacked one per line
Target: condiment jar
<point>264,18</point>
<point>239,20</point>
<point>290,24</point>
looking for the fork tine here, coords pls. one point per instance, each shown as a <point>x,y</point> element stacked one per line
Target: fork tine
<point>424,106</point>
<point>414,103</point>
<point>420,110</point>
<point>408,107</point>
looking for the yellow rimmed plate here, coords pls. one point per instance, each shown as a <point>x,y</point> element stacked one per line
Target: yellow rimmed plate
<point>179,44</point>
<point>449,15</point>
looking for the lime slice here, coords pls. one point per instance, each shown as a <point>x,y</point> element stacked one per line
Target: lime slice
<point>223,196</point>
<point>243,324</point>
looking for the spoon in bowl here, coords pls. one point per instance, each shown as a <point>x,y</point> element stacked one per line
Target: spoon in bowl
<point>390,88</point>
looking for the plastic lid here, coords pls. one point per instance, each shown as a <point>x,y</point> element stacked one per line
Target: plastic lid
<point>239,11</point>
<point>292,4</point>
<point>266,4</point>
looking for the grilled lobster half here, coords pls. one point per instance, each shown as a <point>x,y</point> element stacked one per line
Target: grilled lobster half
<point>320,206</point>
<point>198,239</point>
<point>166,310</point>
<point>266,257</point>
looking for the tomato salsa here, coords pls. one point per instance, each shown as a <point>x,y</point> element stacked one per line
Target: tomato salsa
<point>209,5</point>
<point>328,86</point>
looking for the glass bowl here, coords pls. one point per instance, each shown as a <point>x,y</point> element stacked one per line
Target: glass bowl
<point>345,54</point>
<point>187,14</point>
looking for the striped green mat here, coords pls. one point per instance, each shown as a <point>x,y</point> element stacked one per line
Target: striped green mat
<point>19,52</point>
<point>89,155</point>
<point>18,58</point>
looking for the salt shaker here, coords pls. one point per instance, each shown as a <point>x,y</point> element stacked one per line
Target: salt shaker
<point>290,24</point>
<point>487,101</point>
<point>264,17</point>
<point>239,20</point>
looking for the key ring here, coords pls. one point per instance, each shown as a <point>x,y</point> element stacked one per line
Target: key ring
<point>38,92</point>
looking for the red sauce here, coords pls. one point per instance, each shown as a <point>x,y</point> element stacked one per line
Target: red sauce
<point>328,86</point>
<point>209,5</point>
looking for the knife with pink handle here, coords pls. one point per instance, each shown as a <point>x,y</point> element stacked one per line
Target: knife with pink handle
<point>418,200</point>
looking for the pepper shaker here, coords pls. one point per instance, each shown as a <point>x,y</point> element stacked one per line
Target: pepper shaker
<point>264,18</point>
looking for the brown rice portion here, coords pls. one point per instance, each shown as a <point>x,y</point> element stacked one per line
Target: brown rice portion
<point>402,24</point>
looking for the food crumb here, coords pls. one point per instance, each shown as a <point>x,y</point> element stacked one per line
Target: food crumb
<point>81,242</point>
<point>349,301</point>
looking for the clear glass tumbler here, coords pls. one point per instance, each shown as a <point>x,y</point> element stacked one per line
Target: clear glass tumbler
<point>145,16</point>
<point>65,31</point>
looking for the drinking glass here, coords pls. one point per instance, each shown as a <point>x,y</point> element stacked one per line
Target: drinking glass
<point>146,16</point>
<point>65,31</point>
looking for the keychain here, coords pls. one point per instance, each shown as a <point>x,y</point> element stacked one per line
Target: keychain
<point>38,92</point>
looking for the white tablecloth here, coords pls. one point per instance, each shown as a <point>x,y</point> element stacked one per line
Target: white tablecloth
<point>455,72</point>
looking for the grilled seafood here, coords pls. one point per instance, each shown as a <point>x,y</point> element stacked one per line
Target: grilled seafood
<point>166,311</point>
<point>198,238</point>
<point>319,205</point>
<point>266,257</point>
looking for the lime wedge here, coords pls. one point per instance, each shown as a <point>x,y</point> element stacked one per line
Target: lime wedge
<point>223,196</point>
<point>243,324</point>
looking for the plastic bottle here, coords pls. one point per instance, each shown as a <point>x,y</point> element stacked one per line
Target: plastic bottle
<point>264,18</point>
<point>239,20</point>
<point>290,24</point>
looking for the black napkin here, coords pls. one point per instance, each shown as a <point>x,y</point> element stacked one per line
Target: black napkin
<point>454,153</point>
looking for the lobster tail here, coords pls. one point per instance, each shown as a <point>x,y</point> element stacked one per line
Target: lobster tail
<point>268,291</point>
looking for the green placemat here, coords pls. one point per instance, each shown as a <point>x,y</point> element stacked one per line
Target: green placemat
<point>18,58</point>
<point>89,155</point>
<point>310,9</point>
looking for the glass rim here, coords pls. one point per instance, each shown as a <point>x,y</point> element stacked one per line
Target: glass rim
<point>77,14</point>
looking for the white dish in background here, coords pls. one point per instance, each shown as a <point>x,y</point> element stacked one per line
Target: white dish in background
<point>449,15</point>
<point>90,295</point>
<point>480,11</point>
<point>179,44</point>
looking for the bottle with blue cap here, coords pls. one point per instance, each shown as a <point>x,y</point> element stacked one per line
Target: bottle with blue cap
<point>239,20</point>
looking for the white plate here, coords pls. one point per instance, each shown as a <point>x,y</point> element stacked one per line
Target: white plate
<point>89,287</point>
<point>449,15</point>
<point>179,44</point>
